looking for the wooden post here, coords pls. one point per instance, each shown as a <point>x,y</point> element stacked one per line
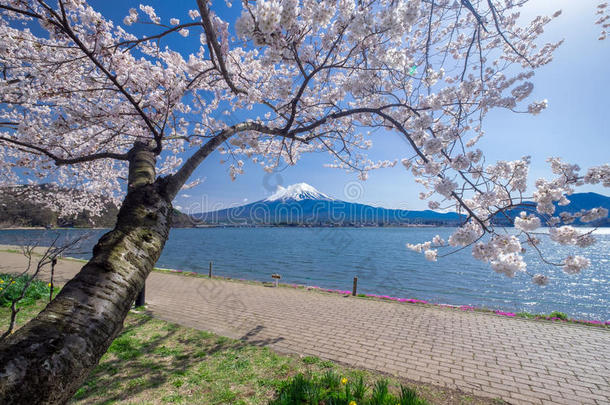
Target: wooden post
<point>53,264</point>
<point>210,272</point>
<point>355,286</point>
<point>140,299</point>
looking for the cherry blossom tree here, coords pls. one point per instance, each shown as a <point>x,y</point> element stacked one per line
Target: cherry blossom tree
<point>88,106</point>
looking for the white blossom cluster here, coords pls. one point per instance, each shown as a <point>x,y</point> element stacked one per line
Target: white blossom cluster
<point>150,12</point>
<point>426,248</point>
<point>508,264</point>
<point>131,18</point>
<point>466,234</point>
<point>268,15</point>
<point>568,235</point>
<point>574,264</point>
<point>527,223</point>
<point>592,215</point>
<point>445,187</point>
<point>540,279</point>
<point>597,175</point>
<point>503,254</point>
<point>585,216</point>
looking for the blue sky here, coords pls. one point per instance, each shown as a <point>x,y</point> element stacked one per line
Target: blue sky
<point>574,127</point>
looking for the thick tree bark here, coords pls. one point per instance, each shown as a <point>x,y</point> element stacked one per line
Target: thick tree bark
<point>47,360</point>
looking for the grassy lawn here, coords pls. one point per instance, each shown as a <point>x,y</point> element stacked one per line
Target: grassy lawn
<point>156,362</point>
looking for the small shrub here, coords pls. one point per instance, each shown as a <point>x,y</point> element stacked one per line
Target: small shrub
<point>327,364</point>
<point>11,288</point>
<point>330,389</point>
<point>408,396</point>
<point>331,380</point>
<point>359,389</point>
<point>560,315</point>
<point>526,315</point>
<point>310,360</point>
<point>313,394</point>
<point>380,393</point>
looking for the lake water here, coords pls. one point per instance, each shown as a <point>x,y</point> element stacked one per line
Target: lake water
<point>331,257</point>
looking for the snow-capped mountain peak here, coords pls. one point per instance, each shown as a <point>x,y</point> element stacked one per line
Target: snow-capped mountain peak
<point>298,192</point>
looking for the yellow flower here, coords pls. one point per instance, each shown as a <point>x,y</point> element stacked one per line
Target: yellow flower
<point>1,281</point>
<point>344,381</point>
<point>0,288</point>
<point>12,282</point>
<point>49,284</point>
<point>352,403</point>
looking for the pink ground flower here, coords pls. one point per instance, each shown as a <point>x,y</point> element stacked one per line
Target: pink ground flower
<point>505,313</point>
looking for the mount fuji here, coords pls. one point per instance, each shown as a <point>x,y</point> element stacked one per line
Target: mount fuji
<point>302,205</point>
<point>297,192</point>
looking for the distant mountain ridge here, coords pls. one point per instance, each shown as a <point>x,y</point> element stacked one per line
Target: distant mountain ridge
<point>296,205</point>
<point>303,204</point>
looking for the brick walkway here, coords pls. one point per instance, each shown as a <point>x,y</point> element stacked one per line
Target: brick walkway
<point>520,361</point>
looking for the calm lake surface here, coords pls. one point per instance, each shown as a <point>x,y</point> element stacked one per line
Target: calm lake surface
<point>331,257</point>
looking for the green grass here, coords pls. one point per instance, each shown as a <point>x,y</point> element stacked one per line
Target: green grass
<point>560,315</point>
<point>310,360</point>
<point>12,286</point>
<point>555,314</point>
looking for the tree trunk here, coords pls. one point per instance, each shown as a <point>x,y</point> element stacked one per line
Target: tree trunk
<point>48,359</point>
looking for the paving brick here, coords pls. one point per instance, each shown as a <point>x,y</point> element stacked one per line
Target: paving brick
<point>534,392</point>
<point>525,399</point>
<point>496,392</point>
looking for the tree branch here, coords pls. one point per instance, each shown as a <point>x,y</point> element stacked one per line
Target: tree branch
<point>173,183</point>
<point>497,23</point>
<point>468,5</point>
<point>18,11</point>
<point>59,161</point>
<point>210,34</point>
<point>135,42</point>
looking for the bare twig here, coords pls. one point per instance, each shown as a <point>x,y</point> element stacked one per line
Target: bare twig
<point>48,256</point>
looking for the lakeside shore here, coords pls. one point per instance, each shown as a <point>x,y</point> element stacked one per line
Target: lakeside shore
<point>6,250</point>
